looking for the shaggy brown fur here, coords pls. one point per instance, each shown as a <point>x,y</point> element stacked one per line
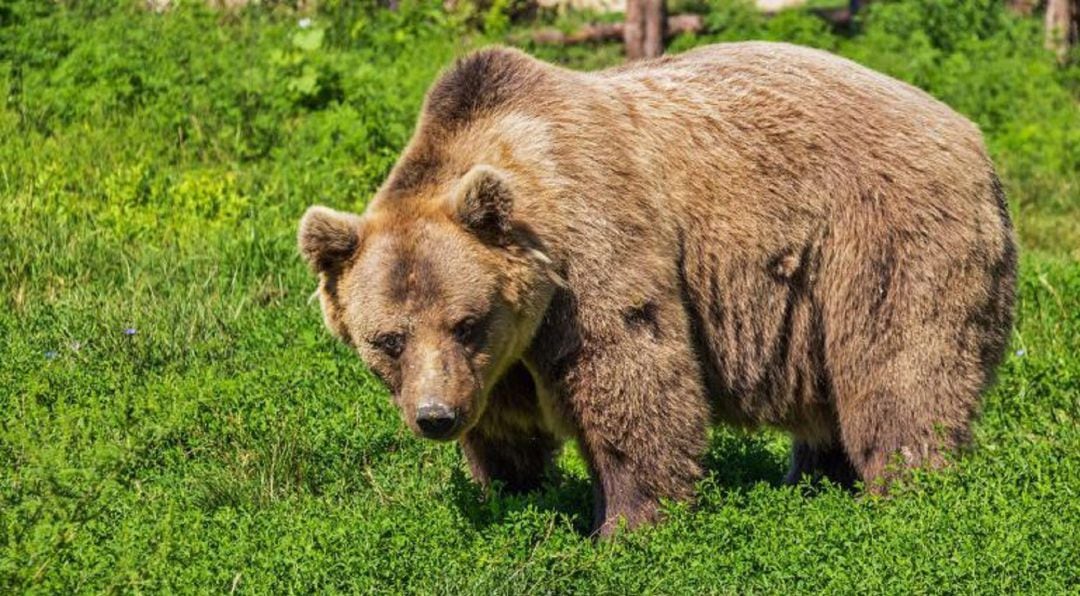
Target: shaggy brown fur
<point>753,233</point>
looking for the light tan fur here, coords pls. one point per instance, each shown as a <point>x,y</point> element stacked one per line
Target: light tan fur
<point>755,233</point>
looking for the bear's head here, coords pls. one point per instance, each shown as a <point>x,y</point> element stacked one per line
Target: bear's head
<point>438,294</point>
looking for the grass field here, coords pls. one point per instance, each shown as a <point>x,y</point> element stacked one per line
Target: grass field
<point>173,416</point>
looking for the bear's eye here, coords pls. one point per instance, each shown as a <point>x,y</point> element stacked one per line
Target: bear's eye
<point>467,331</point>
<point>391,344</point>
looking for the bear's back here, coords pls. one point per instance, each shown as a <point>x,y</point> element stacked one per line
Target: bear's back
<point>790,132</point>
<point>771,126</point>
<point>816,82</point>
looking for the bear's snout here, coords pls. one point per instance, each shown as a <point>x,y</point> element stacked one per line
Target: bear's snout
<point>436,420</point>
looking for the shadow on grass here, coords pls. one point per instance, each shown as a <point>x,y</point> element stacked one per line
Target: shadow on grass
<point>742,460</point>
<point>569,497</point>
<point>733,461</point>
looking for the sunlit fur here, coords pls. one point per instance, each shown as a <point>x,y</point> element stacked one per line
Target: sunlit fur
<point>753,233</point>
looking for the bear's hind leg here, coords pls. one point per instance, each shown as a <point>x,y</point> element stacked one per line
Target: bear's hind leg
<point>908,414</point>
<point>916,406</point>
<point>913,335</point>
<point>882,445</point>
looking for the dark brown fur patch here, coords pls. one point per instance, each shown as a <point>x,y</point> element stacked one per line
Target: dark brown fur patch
<point>643,316</point>
<point>884,269</point>
<point>999,196</point>
<point>414,278</point>
<point>479,84</point>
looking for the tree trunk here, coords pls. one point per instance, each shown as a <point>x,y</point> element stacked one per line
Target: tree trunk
<point>643,31</point>
<point>601,32</point>
<point>655,17</point>
<point>1023,7</point>
<point>634,29</point>
<point>1062,26</point>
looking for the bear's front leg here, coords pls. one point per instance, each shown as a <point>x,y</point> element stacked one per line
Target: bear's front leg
<point>637,400</point>
<point>510,444</point>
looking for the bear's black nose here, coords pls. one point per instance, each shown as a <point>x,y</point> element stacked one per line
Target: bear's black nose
<point>435,420</point>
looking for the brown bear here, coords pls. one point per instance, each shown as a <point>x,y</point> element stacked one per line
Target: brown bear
<point>753,233</point>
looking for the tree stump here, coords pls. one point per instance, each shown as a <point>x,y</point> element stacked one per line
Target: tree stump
<point>644,29</point>
<point>1062,26</point>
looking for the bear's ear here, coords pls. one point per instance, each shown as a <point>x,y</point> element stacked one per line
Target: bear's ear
<point>327,238</point>
<point>483,202</point>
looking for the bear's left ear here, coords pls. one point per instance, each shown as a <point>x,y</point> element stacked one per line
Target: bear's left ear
<point>328,238</point>
<point>483,202</point>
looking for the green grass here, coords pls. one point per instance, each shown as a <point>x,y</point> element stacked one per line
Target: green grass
<point>152,170</point>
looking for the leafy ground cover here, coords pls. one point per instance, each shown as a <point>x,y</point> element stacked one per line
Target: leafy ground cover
<point>174,418</point>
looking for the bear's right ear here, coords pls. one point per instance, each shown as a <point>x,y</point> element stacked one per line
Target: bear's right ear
<point>483,202</point>
<point>327,238</point>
